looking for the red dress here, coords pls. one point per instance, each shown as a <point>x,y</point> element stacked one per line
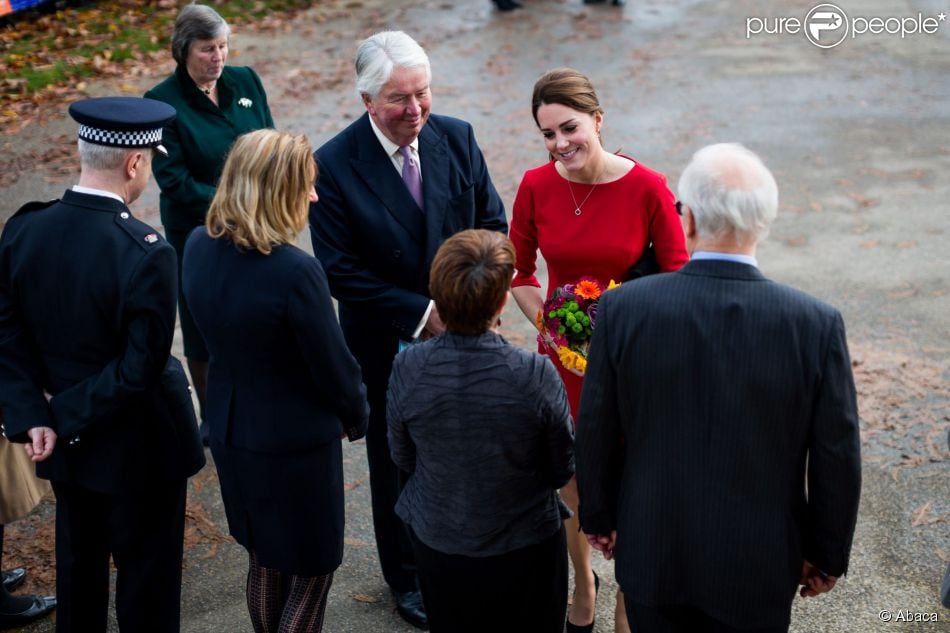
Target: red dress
<point>616,224</point>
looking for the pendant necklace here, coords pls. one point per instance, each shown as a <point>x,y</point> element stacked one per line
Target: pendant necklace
<point>578,207</point>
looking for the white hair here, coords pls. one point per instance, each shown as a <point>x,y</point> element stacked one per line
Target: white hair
<point>104,157</point>
<point>730,192</point>
<point>379,54</point>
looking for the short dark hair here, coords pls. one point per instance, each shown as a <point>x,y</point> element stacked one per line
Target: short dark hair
<point>196,22</point>
<point>470,275</point>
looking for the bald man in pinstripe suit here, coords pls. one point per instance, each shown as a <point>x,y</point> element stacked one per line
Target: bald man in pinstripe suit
<point>718,457</point>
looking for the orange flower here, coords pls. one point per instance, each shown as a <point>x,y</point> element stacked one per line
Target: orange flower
<point>587,289</point>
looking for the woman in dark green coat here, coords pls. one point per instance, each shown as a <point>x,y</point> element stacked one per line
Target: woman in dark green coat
<point>215,104</point>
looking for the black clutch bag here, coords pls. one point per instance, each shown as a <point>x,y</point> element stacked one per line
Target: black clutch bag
<point>644,266</point>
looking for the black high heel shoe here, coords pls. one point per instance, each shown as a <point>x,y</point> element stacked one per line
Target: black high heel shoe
<point>570,627</point>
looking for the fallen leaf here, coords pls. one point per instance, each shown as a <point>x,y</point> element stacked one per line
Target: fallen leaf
<point>923,516</point>
<point>362,597</point>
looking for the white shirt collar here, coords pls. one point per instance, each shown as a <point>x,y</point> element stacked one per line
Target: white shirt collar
<point>391,148</point>
<point>98,192</point>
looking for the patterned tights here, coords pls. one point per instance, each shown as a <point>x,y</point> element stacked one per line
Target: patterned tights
<point>284,603</point>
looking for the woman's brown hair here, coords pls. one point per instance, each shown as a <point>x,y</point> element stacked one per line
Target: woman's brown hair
<point>566,87</point>
<point>470,275</point>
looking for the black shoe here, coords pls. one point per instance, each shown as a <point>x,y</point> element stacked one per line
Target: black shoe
<point>13,578</point>
<point>411,609</point>
<point>507,5</point>
<point>593,1</point>
<point>569,626</point>
<point>618,3</point>
<point>41,607</point>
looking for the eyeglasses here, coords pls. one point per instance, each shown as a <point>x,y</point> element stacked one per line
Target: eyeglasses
<point>679,207</point>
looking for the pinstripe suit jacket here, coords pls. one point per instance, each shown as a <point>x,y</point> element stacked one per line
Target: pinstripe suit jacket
<point>713,395</point>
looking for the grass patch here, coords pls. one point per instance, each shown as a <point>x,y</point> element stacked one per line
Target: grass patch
<point>55,74</point>
<point>61,46</point>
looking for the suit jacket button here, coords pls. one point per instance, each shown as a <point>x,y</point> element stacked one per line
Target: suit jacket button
<point>397,254</point>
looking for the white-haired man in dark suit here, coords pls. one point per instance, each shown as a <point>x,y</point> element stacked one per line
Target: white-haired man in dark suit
<point>718,457</point>
<point>393,186</point>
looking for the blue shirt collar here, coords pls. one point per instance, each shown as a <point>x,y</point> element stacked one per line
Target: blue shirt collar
<point>728,257</point>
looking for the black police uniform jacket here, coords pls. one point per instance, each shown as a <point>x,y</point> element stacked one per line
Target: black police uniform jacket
<point>87,315</point>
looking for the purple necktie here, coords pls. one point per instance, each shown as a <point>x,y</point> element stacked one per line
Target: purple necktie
<point>410,175</point>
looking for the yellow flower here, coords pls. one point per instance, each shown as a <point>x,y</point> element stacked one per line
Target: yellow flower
<point>571,359</point>
<point>613,284</point>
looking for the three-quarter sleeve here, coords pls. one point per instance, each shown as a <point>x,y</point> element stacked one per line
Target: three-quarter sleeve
<point>666,231</point>
<point>524,236</point>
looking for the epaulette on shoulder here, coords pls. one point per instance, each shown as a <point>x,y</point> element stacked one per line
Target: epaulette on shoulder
<point>140,232</point>
<point>36,205</point>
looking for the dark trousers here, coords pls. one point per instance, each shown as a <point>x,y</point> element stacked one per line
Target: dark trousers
<point>143,533</point>
<point>523,590</point>
<point>681,619</point>
<point>386,482</point>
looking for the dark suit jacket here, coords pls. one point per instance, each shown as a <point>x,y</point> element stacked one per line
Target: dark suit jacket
<point>711,395</point>
<point>375,243</point>
<point>281,378</point>
<point>87,313</point>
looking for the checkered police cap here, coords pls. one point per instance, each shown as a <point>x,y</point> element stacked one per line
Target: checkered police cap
<point>122,121</point>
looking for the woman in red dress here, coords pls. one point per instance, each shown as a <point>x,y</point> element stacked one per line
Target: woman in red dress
<point>590,213</point>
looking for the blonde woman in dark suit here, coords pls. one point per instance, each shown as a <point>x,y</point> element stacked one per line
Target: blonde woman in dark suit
<point>282,385</point>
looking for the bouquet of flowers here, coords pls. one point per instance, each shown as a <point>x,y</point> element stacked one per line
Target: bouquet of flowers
<point>568,319</point>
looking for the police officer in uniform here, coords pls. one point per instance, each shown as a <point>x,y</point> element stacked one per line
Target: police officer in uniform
<point>87,315</point>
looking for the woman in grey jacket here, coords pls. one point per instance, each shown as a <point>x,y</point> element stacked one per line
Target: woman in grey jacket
<point>484,430</point>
